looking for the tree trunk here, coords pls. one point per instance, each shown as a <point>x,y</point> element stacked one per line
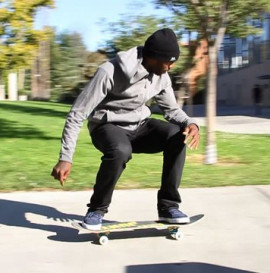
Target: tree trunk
<point>190,107</point>
<point>211,147</point>
<point>2,92</point>
<point>21,79</point>
<point>41,73</point>
<point>211,100</point>
<point>12,86</point>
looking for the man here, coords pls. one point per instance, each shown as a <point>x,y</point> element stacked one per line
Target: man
<point>119,123</point>
<point>257,98</point>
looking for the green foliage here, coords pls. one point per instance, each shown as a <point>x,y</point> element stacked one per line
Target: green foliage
<point>133,31</point>
<point>94,59</point>
<point>185,60</point>
<point>68,56</point>
<point>18,38</point>
<point>207,17</point>
<point>240,12</point>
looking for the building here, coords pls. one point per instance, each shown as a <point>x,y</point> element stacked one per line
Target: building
<point>242,64</point>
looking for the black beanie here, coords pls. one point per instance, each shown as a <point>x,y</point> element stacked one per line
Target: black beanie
<point>162,45</point>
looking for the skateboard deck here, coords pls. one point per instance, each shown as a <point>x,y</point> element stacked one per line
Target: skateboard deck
<point>108,227</point>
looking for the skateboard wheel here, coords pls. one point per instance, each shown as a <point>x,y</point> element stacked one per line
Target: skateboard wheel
<point>103,240</point>
<point>176,234</point>
<point>179,235</point>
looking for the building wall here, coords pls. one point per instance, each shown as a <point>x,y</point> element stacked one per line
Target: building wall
<point>235,88</point>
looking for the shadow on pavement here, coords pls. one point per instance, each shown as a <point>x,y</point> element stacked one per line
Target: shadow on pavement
<point>41,217</point>
<point>14,213</point>
<point>87,236</point>
<point>182,268</point>
<point>17,213</point>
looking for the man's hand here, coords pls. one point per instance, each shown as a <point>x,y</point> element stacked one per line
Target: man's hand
<point>192,138</point>
<point>61,171</point>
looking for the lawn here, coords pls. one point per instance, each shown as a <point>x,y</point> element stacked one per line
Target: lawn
<point>30,135</point>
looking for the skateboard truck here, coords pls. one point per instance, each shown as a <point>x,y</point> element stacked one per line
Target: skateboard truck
<point>175,233</point>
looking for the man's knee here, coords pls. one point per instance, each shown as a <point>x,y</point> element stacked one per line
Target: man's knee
<point>175,133</point>
<point>121,152</point>
<point>175,142</point>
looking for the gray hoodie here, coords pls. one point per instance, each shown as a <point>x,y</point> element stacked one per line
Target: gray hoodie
<point>118,93</point>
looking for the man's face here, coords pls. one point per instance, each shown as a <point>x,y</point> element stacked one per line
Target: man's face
<point>156,66</point>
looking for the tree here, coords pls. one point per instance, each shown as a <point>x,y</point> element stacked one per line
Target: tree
<point>93,60</point>
<point>211,19</point>
<point>68,57</point>
<point>133,31</point>
<point>18,38</point>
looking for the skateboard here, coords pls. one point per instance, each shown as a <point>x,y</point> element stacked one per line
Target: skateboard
<point>108,227</point>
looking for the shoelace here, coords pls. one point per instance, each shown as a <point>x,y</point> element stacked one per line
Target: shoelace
<point>94,215</point>
<point>174,212</point>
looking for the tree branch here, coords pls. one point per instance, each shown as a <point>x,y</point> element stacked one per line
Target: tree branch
<point>223,23</point>
<point>203,27</point>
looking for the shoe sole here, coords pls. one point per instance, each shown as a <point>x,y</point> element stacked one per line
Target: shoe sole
<point>91,227</point>
<point>183,220</point>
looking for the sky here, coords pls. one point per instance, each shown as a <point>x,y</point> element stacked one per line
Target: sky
<point>87,16</point>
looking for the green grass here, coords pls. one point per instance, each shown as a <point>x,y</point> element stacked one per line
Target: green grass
<point>30,134</point>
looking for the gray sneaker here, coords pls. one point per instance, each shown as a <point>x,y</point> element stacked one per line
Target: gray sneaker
<point>92,220</point>
<point>173,216</point>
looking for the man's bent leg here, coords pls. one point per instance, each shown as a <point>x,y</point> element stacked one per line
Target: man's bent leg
<point>173,164</point>
<point>114,143</point>
<point>156,136</point>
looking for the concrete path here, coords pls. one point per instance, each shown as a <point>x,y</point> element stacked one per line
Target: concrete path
<point>239,124</point>
<point>234,119</point>
<point>36,233</point>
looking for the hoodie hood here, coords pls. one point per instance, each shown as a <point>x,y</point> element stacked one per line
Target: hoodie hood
<point>130,63</point>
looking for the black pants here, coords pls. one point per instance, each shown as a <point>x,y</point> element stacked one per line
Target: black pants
<point>117,146</point>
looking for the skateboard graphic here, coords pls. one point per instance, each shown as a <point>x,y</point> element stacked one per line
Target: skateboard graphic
<point>108,227</point>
